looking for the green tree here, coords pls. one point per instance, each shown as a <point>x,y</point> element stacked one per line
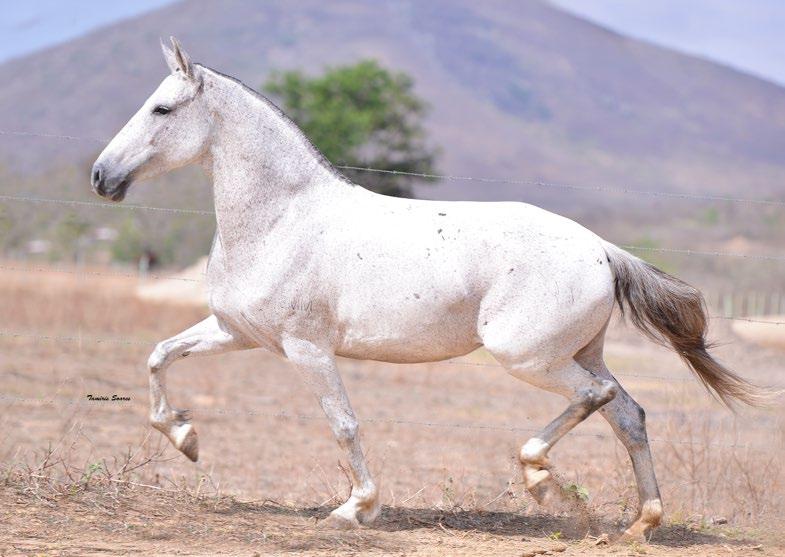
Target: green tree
<point>69,233</point>
<point>6,227</point>
<point>129,245</point>
<point>361,115</point>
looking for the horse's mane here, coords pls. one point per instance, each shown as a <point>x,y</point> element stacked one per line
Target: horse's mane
<point>323,161</point>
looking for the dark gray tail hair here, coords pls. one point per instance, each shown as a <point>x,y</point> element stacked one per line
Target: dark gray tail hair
<point>671,312</point>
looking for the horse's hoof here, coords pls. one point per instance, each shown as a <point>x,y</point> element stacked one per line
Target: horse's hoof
<point>632,535</point>
<point>188,442</point>
<point>539,483</point>
<point>649,518</point>
<point>637,532</point>
<point>339,522</point>
<point>534,477</point>
<point>367,516</point>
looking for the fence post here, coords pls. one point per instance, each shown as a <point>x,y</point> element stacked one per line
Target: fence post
<point>727,304</point>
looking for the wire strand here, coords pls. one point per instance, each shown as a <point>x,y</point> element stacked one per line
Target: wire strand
<point>95,273</point>
<point>80,339</point>
<point>680,251</point>
<point>541,183</point>
<point>487,180</point>
<point>283,414</point>
<point>95,204</point>
<point>50,136</point>
<point>705,253</point>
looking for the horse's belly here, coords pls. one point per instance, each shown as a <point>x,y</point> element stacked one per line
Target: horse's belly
<point>407,334</point>
<point>405,350</point>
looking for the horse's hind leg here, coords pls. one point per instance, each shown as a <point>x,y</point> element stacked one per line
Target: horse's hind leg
<point>586,393</point>
<point>538,344</point>
<point>206,337</point>
<point>628,421</point>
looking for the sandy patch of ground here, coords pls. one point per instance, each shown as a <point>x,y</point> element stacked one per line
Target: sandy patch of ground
<point>442,440</point>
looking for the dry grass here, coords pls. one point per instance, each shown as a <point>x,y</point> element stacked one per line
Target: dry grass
<point>446,489</point>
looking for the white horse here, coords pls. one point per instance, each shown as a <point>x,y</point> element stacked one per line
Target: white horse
<point>311,266</point>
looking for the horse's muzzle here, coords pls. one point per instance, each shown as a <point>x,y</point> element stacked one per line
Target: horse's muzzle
<point>108,187</point>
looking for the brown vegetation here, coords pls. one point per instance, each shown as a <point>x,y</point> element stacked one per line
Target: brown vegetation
<point>85,477</point>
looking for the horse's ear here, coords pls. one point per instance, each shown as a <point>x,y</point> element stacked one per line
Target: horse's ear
<point>177,58</point>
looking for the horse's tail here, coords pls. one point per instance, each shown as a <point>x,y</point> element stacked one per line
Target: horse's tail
<point>672,312</point>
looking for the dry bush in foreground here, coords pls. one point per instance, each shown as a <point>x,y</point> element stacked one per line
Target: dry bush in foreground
<point>123,505</point>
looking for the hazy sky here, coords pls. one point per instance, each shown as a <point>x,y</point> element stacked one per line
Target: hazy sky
<point>28,25</point>
<point>746,34</point>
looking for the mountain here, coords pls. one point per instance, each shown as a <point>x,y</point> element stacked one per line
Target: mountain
<point>517,90</point>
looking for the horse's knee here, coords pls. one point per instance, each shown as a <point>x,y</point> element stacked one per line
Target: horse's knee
<point>164,353</point>
<point>346,430</point>
<point>157,359</point>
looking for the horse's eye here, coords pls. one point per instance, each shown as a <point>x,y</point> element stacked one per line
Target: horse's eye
<point>160,109</point>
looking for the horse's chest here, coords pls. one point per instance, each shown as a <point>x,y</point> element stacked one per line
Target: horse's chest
<point>265,303</point>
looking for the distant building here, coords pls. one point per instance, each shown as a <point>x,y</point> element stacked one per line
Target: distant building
<point>39,247</point>
<point>105,234</point>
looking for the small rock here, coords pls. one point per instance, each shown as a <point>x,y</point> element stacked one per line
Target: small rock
<point>719,520</point>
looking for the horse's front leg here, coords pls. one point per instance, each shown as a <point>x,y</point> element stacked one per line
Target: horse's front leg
<point>320,373</point>
<point>206,337</point>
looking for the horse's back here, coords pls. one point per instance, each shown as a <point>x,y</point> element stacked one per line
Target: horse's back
<point>480,240</point>
<point>426,278</point>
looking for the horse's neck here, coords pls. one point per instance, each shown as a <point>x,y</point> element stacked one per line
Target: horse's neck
<point>261,166</point>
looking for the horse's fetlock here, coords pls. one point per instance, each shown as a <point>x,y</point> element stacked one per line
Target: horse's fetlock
<point>651,512</point>
<point>158,421</point>
<point>366,493</point>
<point>534,451</point>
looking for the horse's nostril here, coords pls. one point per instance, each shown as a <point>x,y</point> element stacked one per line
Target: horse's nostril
<point>98,179</point>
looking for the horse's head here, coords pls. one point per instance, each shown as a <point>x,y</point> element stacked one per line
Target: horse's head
<point>169,131</point>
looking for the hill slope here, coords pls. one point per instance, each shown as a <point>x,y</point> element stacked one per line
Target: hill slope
<point>517,90</point>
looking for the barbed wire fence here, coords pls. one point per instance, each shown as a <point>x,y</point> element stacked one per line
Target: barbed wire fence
<point>286,415</point>
<point>753,302</point>
<point>282,414</point>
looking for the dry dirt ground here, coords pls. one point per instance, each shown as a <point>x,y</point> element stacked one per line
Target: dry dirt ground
<point>81,477</point>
